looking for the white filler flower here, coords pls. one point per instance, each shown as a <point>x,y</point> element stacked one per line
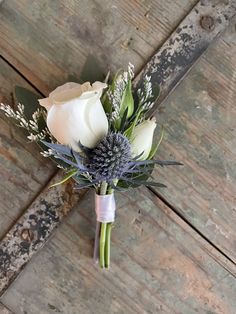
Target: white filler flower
<point>75,114</point>
<point>142,138</point>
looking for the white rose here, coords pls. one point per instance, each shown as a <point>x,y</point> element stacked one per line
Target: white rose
<point>75,114</point>
<point>142,139</point>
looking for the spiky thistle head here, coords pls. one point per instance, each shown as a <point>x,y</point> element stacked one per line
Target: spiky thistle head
<point>110,158</point>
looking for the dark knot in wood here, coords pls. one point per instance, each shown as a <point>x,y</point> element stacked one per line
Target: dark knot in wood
<point>207,22</point>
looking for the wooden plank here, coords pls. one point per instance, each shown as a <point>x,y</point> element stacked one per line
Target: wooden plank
<point>200,120</point>
<point>159,265</point>
<point>48,40</point>
<point>33,228</point>
<point>4,310</point>
<point>187,43</point>
<point>160,305</point>
<point>23,172</point>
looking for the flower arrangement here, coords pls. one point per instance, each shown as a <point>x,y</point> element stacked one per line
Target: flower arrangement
<point>102,136</point>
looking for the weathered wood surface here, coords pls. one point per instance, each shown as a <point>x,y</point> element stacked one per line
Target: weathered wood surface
<point>4,310</point>
<point>193,36</point>
<point>48,40</point>
<point>200,120</point>
<point>32,230</point>
<point>159,265</point>
<point>23,171</point>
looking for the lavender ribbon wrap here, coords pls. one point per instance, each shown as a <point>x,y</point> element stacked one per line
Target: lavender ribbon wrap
<point>105,207</point>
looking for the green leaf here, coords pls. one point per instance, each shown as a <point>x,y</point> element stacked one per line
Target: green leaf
<point>127,101</point>
<point>28,99</point>
<point>67,177</point>
<point>73,78</point>
<point>106,103</point>
<point>155,146</point>
<point>31,104</point>
<point>92,70</point>
<point>129,132</point>
<point>123,121</point>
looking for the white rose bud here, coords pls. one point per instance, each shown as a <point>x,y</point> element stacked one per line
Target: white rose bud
<point>142,138</point>
<point>75,114</point>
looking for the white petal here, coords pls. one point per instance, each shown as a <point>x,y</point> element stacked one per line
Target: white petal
<point>64,87</point>
<point>142,139</point>
<point>97,121</point>
<point>45,102</point>
<point>98,85</point>
<point>75,117</point>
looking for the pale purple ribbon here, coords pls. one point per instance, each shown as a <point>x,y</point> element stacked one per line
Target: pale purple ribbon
<point>105,207</point>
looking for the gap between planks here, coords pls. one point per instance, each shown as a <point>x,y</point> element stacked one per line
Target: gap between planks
<point>220,257</point>
<point>22,76</point>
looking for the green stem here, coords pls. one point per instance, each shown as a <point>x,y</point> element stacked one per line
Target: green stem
<point>102,242</point>
<point>105,233</point>
<point>108,232</point>
<point>102,245</point>
<point>103,188</point>
<point>108,245</point>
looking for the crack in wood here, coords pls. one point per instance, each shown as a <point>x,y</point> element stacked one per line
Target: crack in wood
<point>3,308</point>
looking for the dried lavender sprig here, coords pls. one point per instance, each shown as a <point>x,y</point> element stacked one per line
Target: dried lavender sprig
<point>30,125</point>
<point>47,153</point>
<point>115,96</point>
<point>146,94</point>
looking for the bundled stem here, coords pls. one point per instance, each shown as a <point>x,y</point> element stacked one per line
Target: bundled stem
<point>108,245</point>
<point>102,246</point>
<point>105,235</point>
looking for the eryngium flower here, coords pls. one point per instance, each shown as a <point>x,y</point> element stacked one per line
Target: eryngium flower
<point>110,158</point>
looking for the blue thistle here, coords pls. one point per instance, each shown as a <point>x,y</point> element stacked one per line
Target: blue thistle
<point>110,159</point>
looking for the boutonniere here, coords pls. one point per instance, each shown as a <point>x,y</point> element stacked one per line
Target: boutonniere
<point>101,134</point>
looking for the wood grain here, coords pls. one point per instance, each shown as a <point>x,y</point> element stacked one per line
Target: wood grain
<point>4,310</point>
<point>206,21</point>
<point>23,170</point>
<point>158,266</point>
<point>200,123</point>
<point>159,263</point>
<point>34,227</point>
<point>48,40</point>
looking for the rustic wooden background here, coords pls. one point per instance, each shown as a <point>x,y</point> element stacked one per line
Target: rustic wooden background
<point>173,250</point>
